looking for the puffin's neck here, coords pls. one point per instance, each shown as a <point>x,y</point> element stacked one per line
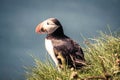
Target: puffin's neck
<point>59,33</point>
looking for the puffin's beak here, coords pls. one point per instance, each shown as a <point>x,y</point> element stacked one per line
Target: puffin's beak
<point>38,28</point>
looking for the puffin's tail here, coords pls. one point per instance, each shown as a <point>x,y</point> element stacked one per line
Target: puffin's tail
<point>77,61</point>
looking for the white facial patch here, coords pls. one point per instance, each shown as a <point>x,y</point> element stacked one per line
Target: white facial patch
<point>50,26</point>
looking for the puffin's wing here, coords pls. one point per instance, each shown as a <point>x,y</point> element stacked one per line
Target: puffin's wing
<point>69,52</point>
<point>77,55</point>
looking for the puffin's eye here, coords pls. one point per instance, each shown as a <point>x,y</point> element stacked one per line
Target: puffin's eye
<point>47,23</point>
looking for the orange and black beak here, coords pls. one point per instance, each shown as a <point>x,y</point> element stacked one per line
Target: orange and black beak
<point>38,28</point>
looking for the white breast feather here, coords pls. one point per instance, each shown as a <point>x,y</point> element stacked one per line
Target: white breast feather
<point>49,48</point>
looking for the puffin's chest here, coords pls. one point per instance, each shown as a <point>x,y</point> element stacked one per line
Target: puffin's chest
<point>49,46</point>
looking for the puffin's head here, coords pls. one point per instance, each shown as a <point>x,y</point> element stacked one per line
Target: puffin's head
<point>48,26</point>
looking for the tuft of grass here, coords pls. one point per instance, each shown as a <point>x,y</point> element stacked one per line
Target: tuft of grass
<point>102,58</point>
<point>45,71</point>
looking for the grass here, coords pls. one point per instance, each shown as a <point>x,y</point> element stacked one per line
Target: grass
<point>102,58</point>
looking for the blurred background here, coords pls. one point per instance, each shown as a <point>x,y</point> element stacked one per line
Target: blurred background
<point>18,19</point>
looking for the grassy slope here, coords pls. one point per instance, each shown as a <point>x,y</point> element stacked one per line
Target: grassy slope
<point>102,57</point>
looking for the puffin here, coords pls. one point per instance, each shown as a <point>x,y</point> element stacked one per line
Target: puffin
<point>63,50</point>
